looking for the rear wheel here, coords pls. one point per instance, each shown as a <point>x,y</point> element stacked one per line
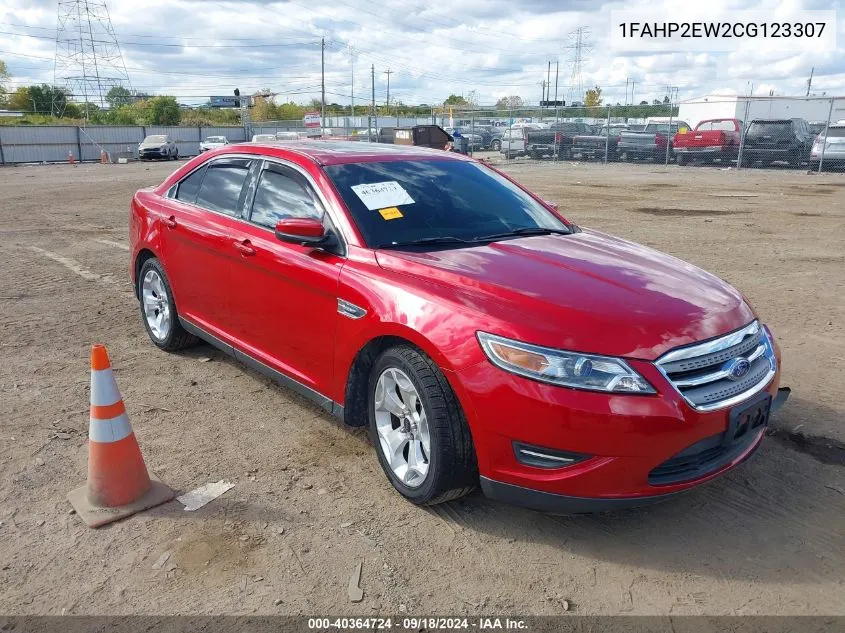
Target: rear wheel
<point>496,145</point>
<point>680,159</point>
<point>422,440</point>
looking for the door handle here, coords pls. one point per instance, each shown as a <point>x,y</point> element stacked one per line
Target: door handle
<point>171,222</point>
<point>245,248</point>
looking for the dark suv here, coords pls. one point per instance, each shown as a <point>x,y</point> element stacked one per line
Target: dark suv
<point>771,140</point>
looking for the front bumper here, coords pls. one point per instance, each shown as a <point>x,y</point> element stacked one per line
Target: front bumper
<point>625,437</point>
<point>153,153</point>
<point>706,151</point>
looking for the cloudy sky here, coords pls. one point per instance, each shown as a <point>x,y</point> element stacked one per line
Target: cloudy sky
<point>196,48</point>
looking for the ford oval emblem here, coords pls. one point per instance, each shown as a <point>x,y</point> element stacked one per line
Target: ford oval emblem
<point>737,368</point>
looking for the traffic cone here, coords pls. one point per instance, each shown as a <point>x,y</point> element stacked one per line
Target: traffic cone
<point>104,158</point>
<point>118,482</point>
<point>70,158</point>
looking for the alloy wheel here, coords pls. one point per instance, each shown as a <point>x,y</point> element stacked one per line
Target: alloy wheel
<point>402,427</point>
<point>156,305</point>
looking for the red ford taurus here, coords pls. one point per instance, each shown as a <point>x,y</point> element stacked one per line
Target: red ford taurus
<point>480,335</point>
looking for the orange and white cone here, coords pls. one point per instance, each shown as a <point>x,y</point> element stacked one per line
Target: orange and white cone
<point>118,482</point>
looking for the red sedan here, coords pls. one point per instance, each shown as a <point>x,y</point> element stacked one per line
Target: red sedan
<point>480,335</point>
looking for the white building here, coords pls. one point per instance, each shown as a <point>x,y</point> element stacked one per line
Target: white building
<point>811,109</point>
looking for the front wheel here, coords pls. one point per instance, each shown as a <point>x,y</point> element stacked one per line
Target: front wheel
<point>416,424</point>
<point>158,309</point>
<point>496,146</point>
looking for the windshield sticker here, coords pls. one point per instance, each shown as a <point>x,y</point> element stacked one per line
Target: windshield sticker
<point>390,213</point>
<point>380,195</point>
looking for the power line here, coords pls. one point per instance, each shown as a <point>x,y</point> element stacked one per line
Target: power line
<point>162,44</point>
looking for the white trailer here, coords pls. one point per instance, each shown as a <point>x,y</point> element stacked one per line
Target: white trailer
<point>811,109</point>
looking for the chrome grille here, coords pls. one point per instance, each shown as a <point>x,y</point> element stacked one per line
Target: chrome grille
<point>706,374</point>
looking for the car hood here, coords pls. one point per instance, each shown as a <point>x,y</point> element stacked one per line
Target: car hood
<point>152,145</point>
<point>588,292</point>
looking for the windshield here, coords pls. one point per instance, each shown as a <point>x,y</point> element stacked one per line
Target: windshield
<point>156,138</point>
<point>430,199</point>
<point>216,139</point>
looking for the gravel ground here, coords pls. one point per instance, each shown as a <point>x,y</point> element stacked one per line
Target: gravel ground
<point>310,501</point>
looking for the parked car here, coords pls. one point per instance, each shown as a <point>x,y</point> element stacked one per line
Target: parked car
<point>834,147</point>
<point>263,138</point>
<point>288,136</point>
<point>213,142</point>
<point>773,140</point>
<point>649,142</point>
<point>593,145</point>
<point>474,140</point>
<point>554,141</point>
<point>481,336</point>
<point>496,135</point>
<point>158,146</point>
<point>715,139</point>
<point>385,135</point>
<point>816,127</point>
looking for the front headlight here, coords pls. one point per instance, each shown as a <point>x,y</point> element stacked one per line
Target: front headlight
<point>558,367</point>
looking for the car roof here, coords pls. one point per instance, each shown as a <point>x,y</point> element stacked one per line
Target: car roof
<point>331,152</point>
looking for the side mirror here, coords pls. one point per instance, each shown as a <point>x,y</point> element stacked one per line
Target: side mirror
<point>305,231</point>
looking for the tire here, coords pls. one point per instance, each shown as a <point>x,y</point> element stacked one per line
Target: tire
<point>176,154</point>
<point>680,159</point>
<point>496,146</point>
<point>175,337</point>
<point>451,470</point>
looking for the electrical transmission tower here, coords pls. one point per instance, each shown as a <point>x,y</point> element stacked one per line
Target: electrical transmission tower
<point>88,59</point>
<point>579,46</point>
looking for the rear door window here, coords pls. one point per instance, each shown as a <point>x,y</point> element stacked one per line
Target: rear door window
<point>283,193</point>
<point>221,188</point>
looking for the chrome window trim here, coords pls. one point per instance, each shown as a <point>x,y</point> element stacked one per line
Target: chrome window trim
<point>285,163</point>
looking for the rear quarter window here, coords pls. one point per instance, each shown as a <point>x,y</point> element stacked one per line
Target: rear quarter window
<point>188,188</point>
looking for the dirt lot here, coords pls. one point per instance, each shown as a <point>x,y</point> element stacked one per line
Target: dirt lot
<point>310,501</point>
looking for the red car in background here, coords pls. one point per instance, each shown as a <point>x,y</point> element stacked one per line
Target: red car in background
<point>480,335</point>
<point>715,139</point>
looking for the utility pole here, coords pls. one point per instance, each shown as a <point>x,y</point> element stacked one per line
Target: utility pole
<point>388,72</point>
<point>323,84</point>
<point>626,91</point>
<point>810,80</point>
<point>557,71</point>
<point>352,86</point>
<point>549,80</point>
<point>375,113</point>
<point>632,92</point>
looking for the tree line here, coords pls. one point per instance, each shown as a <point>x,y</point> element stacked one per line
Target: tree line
<point>50,104</point>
